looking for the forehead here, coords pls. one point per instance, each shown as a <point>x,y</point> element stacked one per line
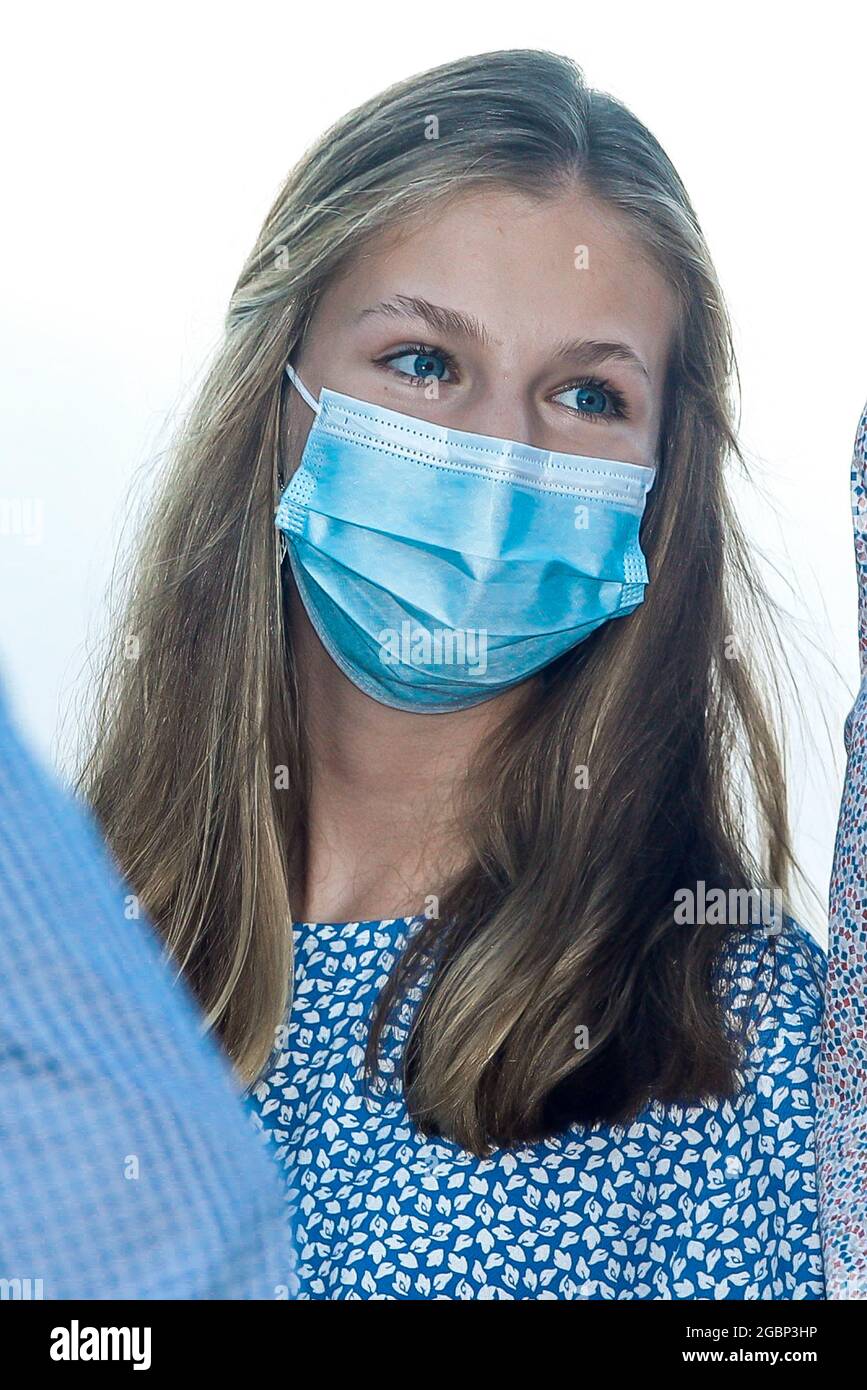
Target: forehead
<point>534,271</point>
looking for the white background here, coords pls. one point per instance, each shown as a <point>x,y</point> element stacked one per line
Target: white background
<point>144,147</point>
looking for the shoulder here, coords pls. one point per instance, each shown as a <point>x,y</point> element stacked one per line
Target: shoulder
<point>772,985</point>
<point>789,961</point>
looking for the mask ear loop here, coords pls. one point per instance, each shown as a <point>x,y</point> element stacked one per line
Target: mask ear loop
<point>293,376</point>
<point>315,406</point>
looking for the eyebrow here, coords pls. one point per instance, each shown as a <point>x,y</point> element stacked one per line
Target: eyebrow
<point>410,306</point>
<point>589,352</point>
<point>583,351</point>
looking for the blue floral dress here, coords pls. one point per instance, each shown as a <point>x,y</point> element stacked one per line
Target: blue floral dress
<point>712,1201</point>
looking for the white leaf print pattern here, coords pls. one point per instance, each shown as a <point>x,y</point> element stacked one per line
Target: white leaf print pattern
<point>704,1202</point>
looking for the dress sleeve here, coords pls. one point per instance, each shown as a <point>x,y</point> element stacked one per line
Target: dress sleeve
<point>842,1090</point>
<point>763,1188</point>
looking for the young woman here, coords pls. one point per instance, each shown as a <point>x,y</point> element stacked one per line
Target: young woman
<point>436,736</point>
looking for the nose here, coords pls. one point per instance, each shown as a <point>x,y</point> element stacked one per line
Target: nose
<point>503,411</point>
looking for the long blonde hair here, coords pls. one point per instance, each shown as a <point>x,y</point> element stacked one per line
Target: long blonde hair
<point>564,914</point>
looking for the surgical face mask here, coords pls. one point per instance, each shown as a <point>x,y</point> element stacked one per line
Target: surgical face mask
<point>440,567</point>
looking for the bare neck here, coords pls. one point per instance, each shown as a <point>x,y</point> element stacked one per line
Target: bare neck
<point>381,832</point>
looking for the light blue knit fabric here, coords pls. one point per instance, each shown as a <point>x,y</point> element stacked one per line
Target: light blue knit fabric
<point>128,1164</point>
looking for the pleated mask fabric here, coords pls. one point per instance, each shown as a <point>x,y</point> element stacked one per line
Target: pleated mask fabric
<point>440,567</point>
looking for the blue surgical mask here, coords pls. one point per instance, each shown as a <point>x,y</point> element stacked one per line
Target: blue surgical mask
<point>440,567</point>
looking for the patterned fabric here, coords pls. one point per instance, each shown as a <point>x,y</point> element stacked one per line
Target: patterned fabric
<point>128,1165</point>
<point>705,1202</point>
<point>842,1128</point>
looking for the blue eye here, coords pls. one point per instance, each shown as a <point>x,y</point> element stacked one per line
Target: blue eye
<point>589,400</point>
<point>593,399</point>
<point>420,365</point>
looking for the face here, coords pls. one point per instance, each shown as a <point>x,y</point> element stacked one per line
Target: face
<point>540,322</point>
